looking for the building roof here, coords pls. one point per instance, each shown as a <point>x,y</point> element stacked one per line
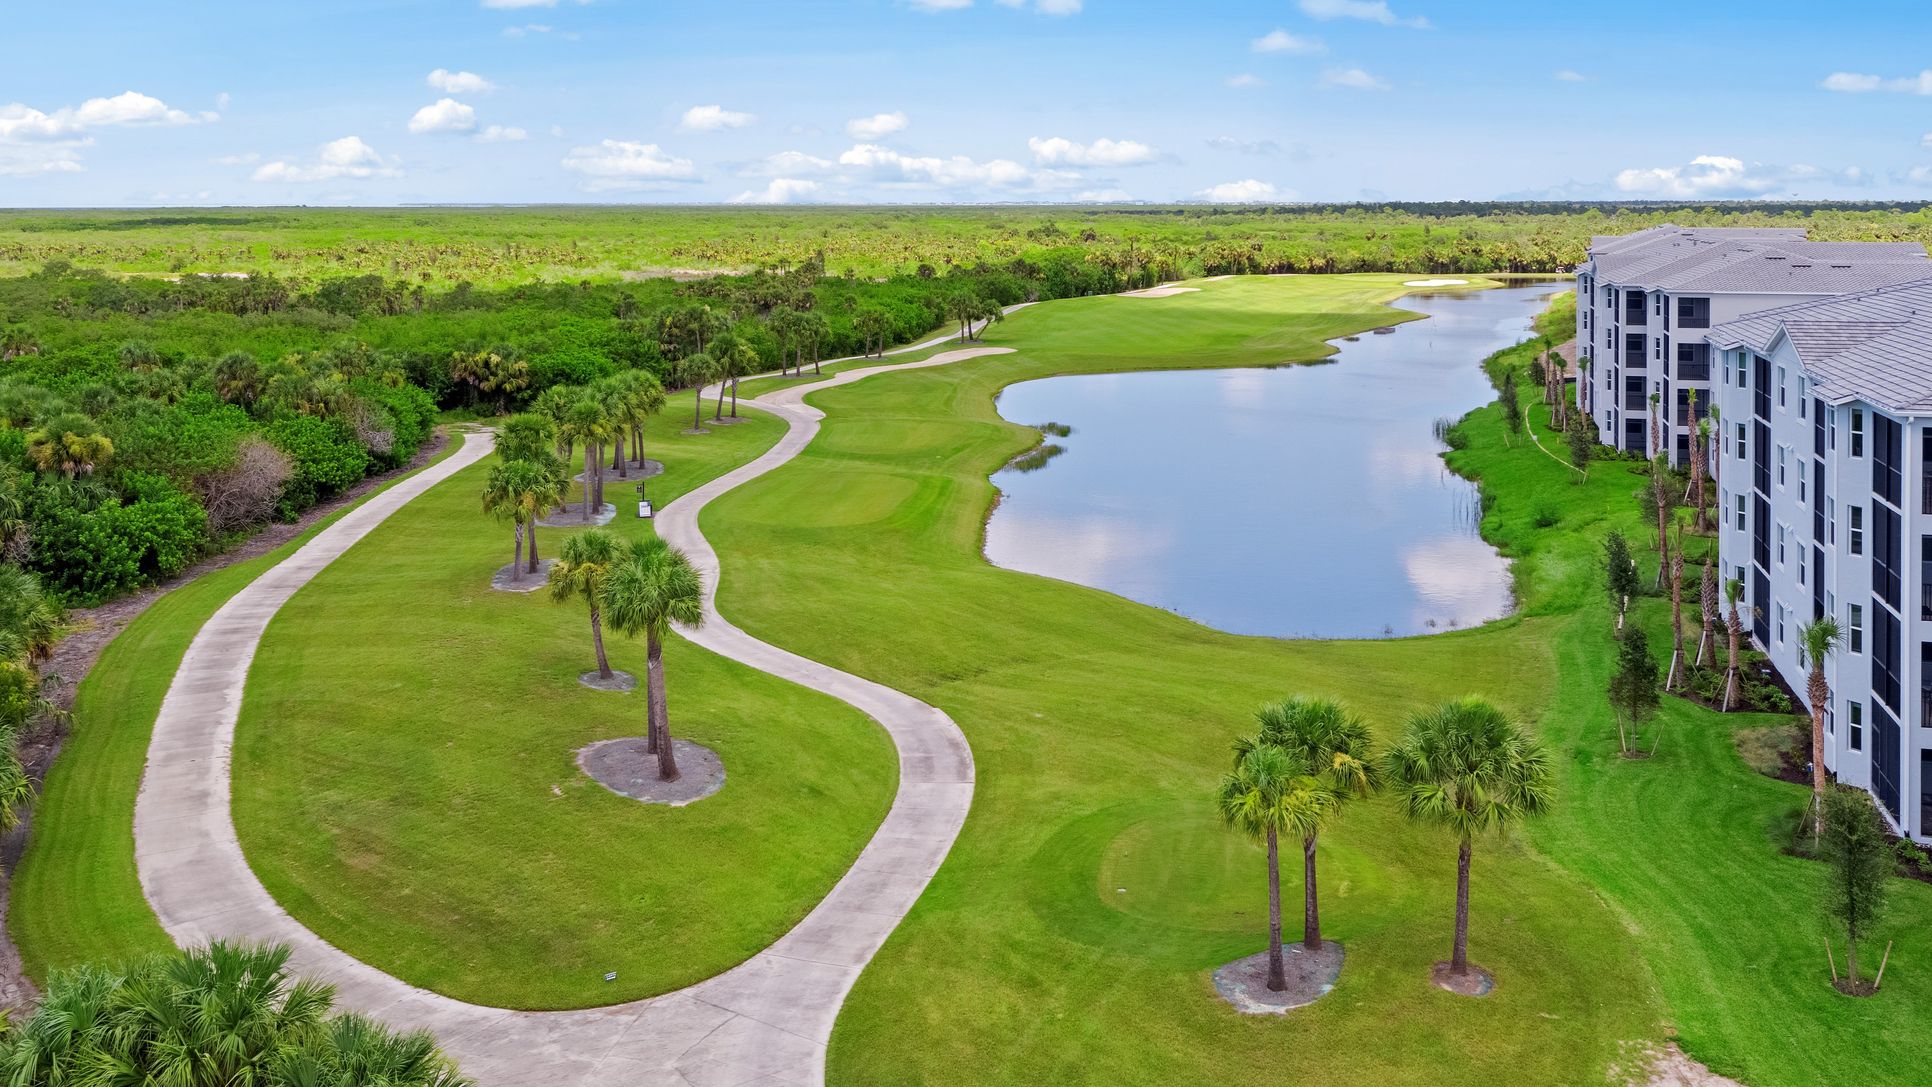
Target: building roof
<point>1875,345</point>
<point>1753,261</point>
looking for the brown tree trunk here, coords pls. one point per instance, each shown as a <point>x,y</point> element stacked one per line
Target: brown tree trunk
<point>617,459</point>
<point>1311,914</point>
<point>1818,694</point>
<point>597,638</point>
<point>516,564</point>
<point>1730,676</point>
<point>1851,961</point>
<point>1676,676</point>
<point>533,547</point>
<point>718,413</point>
<point>590,462</point>
<point>1277,971</point>
<point>660,710</point>
<point>697,407</point>
<point>1459,959</point>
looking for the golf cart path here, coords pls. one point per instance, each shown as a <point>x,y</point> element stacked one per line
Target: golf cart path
<point>765,1021</point>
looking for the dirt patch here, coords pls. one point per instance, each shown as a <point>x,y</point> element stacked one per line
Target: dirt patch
<point>618,681</point>
<point>574,517</point>
<point>1477,982</point>
<point>1310,975</point>
<point>1780,751</point>
<point>515,578</point>
<point>624,767</point>
<point>1669,1066</point>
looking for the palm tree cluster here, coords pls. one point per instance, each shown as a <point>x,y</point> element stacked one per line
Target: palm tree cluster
<point>642,586</point>
<point>1463,765</point>
<point>224,1015</point>
<point>528,480</point>
<point>605,417</point>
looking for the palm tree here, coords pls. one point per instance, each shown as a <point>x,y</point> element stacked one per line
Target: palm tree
<point>1656,430</point>
<point>580,571</point>
<point>1817,641</point>
<point>1733,592</point>
<point>1272,792</point>
<point>1700,455</point>
<point>70,443</point>
<point>525,436</point>
<point>1707,600</point>
<point>588,421</point>
<point>519,491</point>
<point>1335,744</point>
<point>652,586</point>
<point>742,362</point>
<point>1676,611</point>
<point>1465,766</point>
<point>873,324</point>
<point>696,371</point>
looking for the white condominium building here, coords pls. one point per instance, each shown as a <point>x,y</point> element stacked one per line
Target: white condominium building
<point>1646,300</point>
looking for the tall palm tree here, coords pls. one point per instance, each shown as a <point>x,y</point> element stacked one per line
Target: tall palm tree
<point>1272,792</point>
<point>1733,592</point>
<point>526,436</point>
<point>580,572</point>
<point>519,491</point>
<point>1817,641</point>
<point>1336,746</point>
<point>588,421</point>
<point>1467,767</point>
<point>1707,599</point>
<point>652,586</point>
<point>696,371</point>
<point>1676,612</point>
<point>1656,428</point>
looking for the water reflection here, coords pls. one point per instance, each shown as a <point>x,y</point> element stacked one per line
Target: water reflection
<point>1303,501</point>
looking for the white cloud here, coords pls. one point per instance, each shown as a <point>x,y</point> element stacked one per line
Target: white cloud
<point>1104,196</point>
<point>781,190</point>
<point>24,159</point>
<point>525,30</point>
<point>501,134</point>
<point>1706,176</point>
<point>1244,80</point>
<point>443,115</point>
<point>458,82</point>
<point>878,126</point>
<point>1925,141</point>
<point>33,141</point>
<point>626,164</point>
<point>1352,77</point>
<point>889,167</point>
<point>1570,75</point>
<point>1919,175</point>
<point>1246,147</point>
<point>222,100</point>
<point>940,5</point>
<point>1374,11</point>
<point>712,118</point>
<point>1860,83</point>
<point>1059,151</point>
<point>1248,191</point>
<point>1280,41</point>
<point>345,159</point>
<point>787,164</point>
<point>1046,7</point>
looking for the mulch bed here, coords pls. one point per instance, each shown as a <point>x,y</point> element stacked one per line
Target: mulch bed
<point>515,578</point>
<point>1310,975</point>
<point>624,767</point>
<point>651,468</point>
<point>574,517</point>
<point>618,681</point>
<point>1477,982</point>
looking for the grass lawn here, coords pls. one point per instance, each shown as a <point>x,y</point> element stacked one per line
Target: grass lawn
<point>1070,935</point>
<point>405,782</point>
<point>76,897</point>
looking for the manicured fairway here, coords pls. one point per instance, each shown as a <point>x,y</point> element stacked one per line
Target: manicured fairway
<point>76,897</point>
<point>405,782</point>
<point>1069,937</point>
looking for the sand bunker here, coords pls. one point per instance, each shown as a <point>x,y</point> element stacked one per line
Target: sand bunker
<point>1162,291</point>
<point>1435,283</point>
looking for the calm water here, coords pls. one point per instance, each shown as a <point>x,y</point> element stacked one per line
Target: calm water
<point>1300,501</point>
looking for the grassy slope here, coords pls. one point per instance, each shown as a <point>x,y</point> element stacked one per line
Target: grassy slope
<point>405,782</point>
<point>1100,732</point>
<point>76,897</point>
<point>1070,935</point>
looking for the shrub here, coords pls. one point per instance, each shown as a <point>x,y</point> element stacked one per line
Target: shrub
<point>327,459</point>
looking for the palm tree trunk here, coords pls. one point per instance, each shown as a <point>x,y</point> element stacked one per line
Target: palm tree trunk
<point>1817,693</point>
<point>660,710</point>
<point>697,407</point>
<point>718,412</point>
<point>617,460</point>
<point>589,462</point>
<point>533,547</point>
<point>597,638</point>
<point>734,396</point>
<point>1277,970</point>
<point>1459,959</point>
<point>1311,914</point>
<point>516,564</point>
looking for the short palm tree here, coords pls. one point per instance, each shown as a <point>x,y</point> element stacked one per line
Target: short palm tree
<point>1467,767</point>
<point>696,371</point>
<point>580,572</point>
<point>1272,792</point>
<point>71,444</point>
<point>525,436</point>
<point>1734,626</point>
<point>1335,745</point>
<point>1817,641</point>
<point>651,586</point>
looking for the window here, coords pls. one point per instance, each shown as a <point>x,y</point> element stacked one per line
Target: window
<point>1740,513</point>
<point>1782,613</point>
<point>1855,629</point>
<point>1783,453</point>
<point>1858,530</point>
<point>1657,304</point>
<point>1743,443</point>
<point>1831,521</point>
<point>1801,568</point>
<point>1858,432</point>
<point>1857,725</point>
<point>1781,386</point>
<point>1802,398</point>
<point>1784,530</point>
<point>1831,435</point>
<point>1801,479</point>
<point>1727,367</point>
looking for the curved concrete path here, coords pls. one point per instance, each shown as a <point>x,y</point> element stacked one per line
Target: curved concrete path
<point>765,1021</point>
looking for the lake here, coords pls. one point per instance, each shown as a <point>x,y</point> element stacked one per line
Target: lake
<point>1294,501</point>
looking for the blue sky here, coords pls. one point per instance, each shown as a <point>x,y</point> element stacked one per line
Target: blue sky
<point>459,101</point>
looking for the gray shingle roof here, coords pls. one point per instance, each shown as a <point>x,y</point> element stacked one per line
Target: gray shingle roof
<point>1874,346</point>
<point>1754,261</point>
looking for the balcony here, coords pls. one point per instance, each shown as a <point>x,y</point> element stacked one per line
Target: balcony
<point>1699,370</point>
<point>1636,401</point>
